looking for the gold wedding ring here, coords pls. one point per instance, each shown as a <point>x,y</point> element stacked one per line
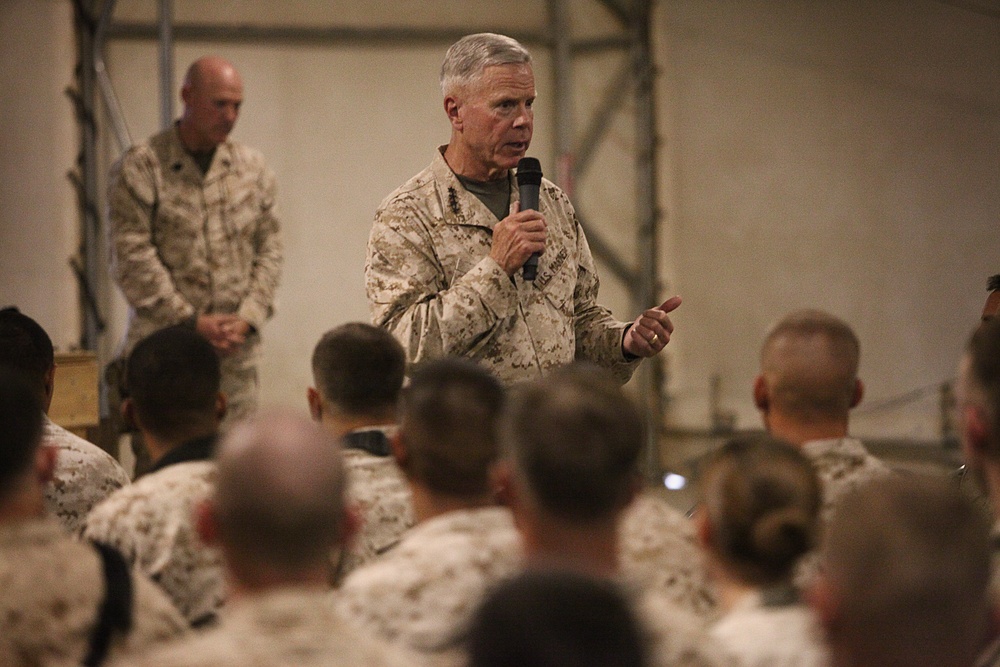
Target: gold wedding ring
<point>652,341</point>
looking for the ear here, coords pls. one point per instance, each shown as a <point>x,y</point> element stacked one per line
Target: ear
<point>128,415</point>
<point>45,463</point>
<point>50,386</point>
<point>352,523</point>
<point>452,109</point>
<point>206,523</point>
<point>221,406</point>
<point>503,484</point>
<point>975,431</point>
<point>819,595</point>
<point>761,394</point>
<point>315,404</point>
<point>186,94</point>
<point>859,392</point>
<point>702,527</point>
<point>397,445</point>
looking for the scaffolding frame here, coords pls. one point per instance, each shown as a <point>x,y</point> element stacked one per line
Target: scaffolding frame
<point>574,152</point>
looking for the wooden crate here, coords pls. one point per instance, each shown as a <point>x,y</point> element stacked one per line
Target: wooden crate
<point>75,404</point>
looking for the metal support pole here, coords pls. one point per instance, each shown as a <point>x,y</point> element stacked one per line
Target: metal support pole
<point>652,375</point>
<point>562,78</point>
<point>166,18</point>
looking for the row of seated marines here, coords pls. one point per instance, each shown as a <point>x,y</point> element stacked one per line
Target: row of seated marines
<point>456,522</point>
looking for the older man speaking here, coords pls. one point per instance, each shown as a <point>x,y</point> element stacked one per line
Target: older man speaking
<point>443,271</point>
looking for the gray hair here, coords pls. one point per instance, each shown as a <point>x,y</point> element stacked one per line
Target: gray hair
<point>468,57</point>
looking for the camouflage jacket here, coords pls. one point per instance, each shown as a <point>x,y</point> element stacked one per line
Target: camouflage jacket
<point>764,635</point>
<point>422,592</point>
<point>842,464</point>
<point>658,547</point>
<point>376,486</point>
<point>151,522</point>
<point>85,475</point>
<point>282,627</point>
<point>184,244</point>
<point>430,280</point>
<point>51,589</point>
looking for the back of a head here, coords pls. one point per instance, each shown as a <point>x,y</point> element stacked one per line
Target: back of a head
<point>907,563</point>
<point>466,59</point>
<point>810,361</point>
<point>172,377</point>
<point>763,498</point>
<point>556,619</point>
<point>20,428</point>
<point>359,368</point>
<point>279,496</point>
<point>448,419</point>
<point>983,376</point>
<point>575,438</point>
<point>25,347</point>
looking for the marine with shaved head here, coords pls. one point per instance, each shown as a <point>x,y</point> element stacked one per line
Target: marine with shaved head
<point>807,386</point>
<point>194,235</point>
<point>278,509</point>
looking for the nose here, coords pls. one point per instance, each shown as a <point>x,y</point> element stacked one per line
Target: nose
<point>525,116</point>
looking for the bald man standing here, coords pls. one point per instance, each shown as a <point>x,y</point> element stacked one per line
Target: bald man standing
<point>807,386</point>
<point>194,235</point>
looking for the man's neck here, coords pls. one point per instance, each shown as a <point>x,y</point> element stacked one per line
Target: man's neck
<point>462,164</point>
<point>590,548</point>
<point>158,446</point>
<point>246,583</point>
<point>427,504</point>
<point>190,141</point>
<point>798,432</point>
<point>25,501</point>
<point>339,424</point>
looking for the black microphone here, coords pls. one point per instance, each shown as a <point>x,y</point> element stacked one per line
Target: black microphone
<point>529,177</point>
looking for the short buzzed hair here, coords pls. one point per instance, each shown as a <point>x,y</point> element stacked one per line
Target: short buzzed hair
<point>993,283</point>
<point>359,368</point>
<point>907,564</point>
<point>983,372</point>
<point>279,496</point>
<point>575,439</point>
<point>556,619</point>
<point>447,419</point>
<point>25,347</point>
<point>810,360</point>
<point>466,59</point>
<point>20,427</point>
<point>173,377</point>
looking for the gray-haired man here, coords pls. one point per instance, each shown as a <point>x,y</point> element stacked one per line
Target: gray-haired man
<point>445,252</point>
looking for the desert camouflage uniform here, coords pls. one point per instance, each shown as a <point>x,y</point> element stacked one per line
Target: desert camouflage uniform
<point>843,464</point>
<point>51,587</point>
<point>277,628</point>
<point>184,244</point>
<point>658,546</point>
<point>431,282</point>
<point>763,635</point>
<point>677,637</point>
<point>85,475</point>
<point>377,487</point>
<point>151,523</point>
<point>422,592</point>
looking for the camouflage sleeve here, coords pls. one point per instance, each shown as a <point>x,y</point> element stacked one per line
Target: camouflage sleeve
<point>258,305</point>
<point>135,262</point>
<point>598,333</point>
<point>409,296</point>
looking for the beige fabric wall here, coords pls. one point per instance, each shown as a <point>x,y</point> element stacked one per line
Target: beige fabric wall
<point>839,155</point>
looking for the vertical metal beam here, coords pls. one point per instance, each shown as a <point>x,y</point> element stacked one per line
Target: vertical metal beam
<point>562,78</point>
<point>89,237</point>
<point>166,19</point>
<point>652,376</point>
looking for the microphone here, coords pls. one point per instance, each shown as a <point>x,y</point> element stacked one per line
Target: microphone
<point>529,177</point>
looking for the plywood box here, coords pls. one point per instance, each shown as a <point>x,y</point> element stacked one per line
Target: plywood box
<point>75,405</point>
